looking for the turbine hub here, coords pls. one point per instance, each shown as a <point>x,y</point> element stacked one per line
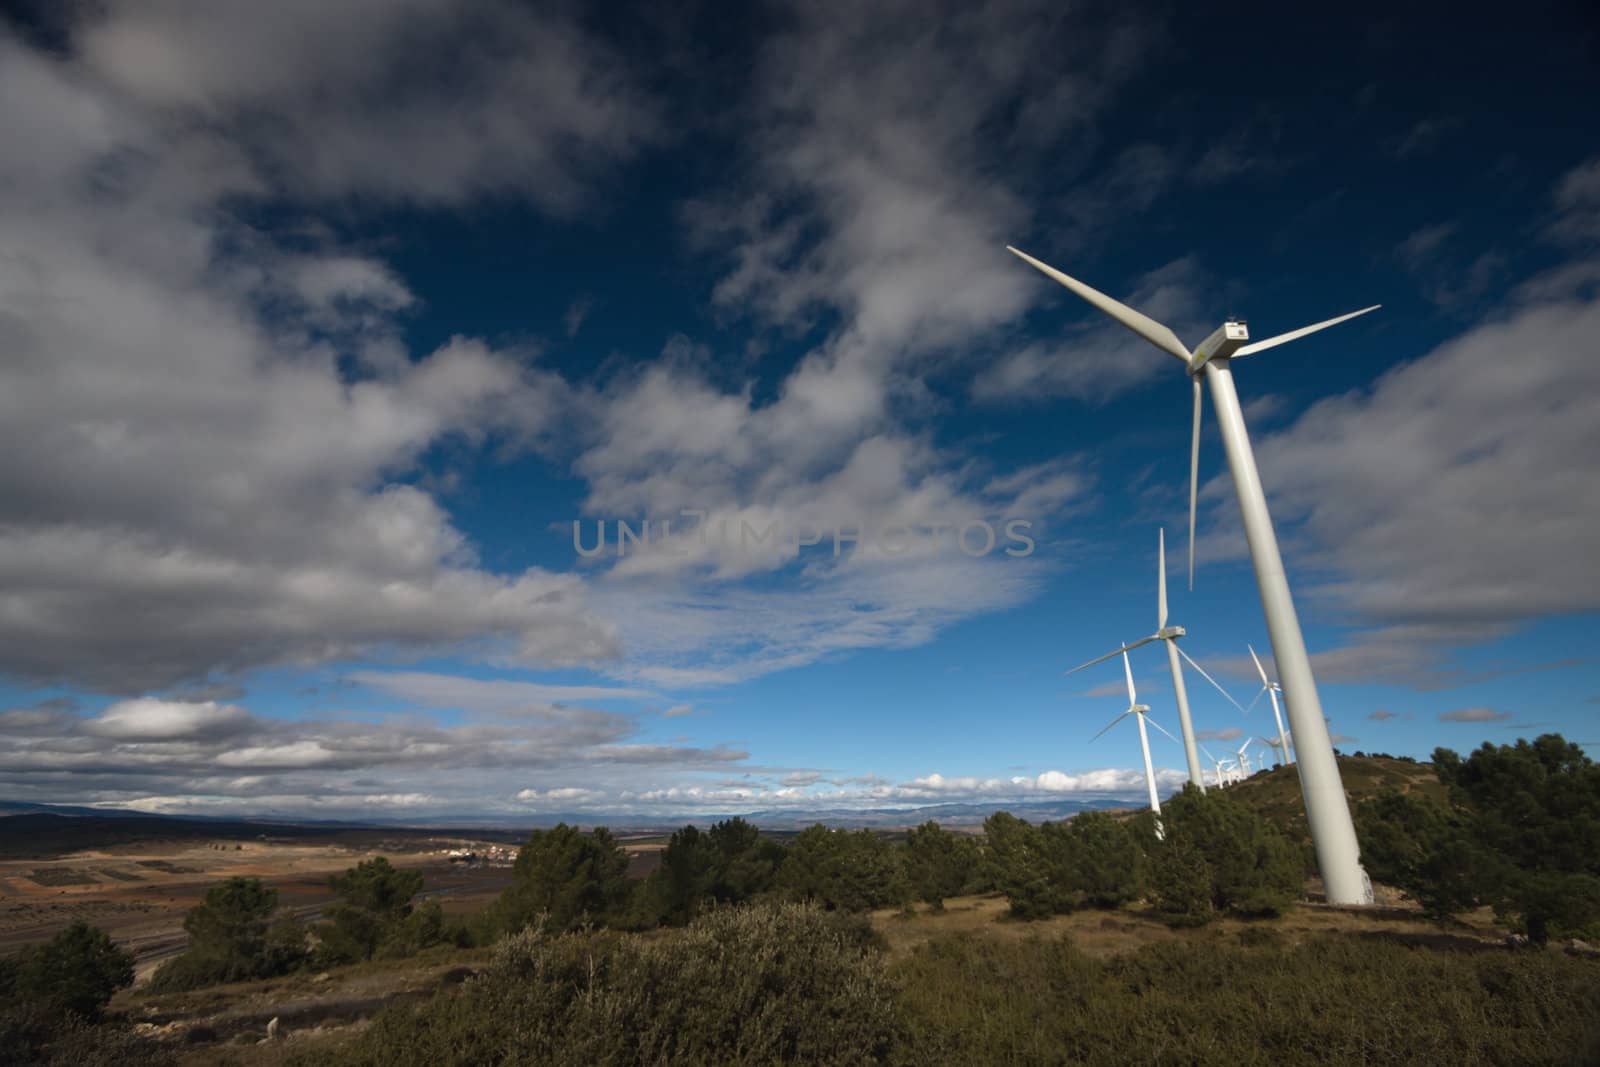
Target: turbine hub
<point>1167,633</point>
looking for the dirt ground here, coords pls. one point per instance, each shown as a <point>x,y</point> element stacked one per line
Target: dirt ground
<point>139,893</point>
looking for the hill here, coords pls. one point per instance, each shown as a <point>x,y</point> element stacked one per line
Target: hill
<point>1275,794</point>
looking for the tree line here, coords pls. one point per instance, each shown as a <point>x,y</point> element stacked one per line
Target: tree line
<point>1518,830</point>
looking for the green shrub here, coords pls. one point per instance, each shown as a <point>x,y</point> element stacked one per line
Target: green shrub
<point>373,899</point>
<point>847,870</point>
<point>1106,863</point>
<point>1532,811</point>
<point>1421,846</point>
<point>775,983</point>
<point>940,864</point>
<point>75,973</point>
<point>1212,839</point>
<point>232,938</point>
<point>1026,866</point>
<point>1333,999</point>
<point>1182,884</point>
<point>568,878</point>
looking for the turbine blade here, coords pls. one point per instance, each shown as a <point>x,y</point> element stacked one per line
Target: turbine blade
<point>1295,335</point>
<point>1252,703</point>
<point>1215,685</point>
<point>1140,323</point>
<point>1194,477</point>
<point>1109,655</point>
<point>1127,669</point>
<point>1109,725</point>
<point>1161,598</point>
<point>1158,726</point>
<point>1259,669</point>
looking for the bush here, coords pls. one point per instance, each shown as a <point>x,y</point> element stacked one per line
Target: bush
<point>729,864</point>
<point>844,870</point>
<point>1216,846</point>
<point>232,938</point>
<point>775,983</point>
<point>1331,999</point>
<point>52,997</point>
<point>374,898</point>
<point>1024,867</point>
<point>566,878</point>
<point>940,864</point>
<point>1183,884</point>
<point>1532,813</point>
<point>1106,864</point>
<point>1422,847</point>
<point>75,973</point>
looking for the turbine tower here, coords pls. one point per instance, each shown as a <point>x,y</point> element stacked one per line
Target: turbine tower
<point>1169,635</point>
<point>1215,763</point>
<point>1327,810</point>
<point>1139,711</point>
<point>1272,689</point>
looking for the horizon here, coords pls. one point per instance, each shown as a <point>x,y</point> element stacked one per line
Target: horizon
<point>330,339</point>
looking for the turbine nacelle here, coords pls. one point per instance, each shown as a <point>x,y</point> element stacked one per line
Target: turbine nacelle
<point>1167,633</point>
<point>1224,341</point>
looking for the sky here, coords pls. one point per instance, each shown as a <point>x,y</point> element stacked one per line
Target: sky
<point>337,341</point>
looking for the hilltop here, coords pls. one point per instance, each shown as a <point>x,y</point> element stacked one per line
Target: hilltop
<point>1275,794</point>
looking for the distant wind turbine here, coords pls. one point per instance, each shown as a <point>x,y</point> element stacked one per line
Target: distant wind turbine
<point>1327,810</point>
<point>1216,763</point>
<point>1244,759</point>
<point>1140,712</point>
<point>1169,635</point>
<point>1271,689</point>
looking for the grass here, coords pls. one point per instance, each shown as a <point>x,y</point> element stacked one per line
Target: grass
<point>1276,796</point>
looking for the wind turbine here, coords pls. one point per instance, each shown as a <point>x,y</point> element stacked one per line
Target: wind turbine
<point>1139,711</point>
<point>1333,832</point>
<point>1169,635</point>
<point>1215,763</point>
<point>1244,759</point>
<point>1272,690</point>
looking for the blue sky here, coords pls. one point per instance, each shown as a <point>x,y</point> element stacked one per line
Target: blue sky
<point>321,326</point>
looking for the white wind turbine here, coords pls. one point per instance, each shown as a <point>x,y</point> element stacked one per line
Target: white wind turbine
<point>1327,810</point>
<point>1218,764</point>
<point>1243,756</point>
<point>1272,690</point>
<point>1140,712</point>
<point>1169,635</point>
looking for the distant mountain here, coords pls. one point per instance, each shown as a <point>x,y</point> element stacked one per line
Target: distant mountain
<point>29,829</point>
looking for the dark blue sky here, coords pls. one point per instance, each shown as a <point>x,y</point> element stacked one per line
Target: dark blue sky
<point>322,327</point>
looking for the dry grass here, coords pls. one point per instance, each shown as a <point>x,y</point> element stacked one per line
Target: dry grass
<point>1109,933</point>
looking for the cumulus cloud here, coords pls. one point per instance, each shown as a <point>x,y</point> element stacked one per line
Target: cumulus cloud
<point>421,100</point>
<point>169,720</point>
<point>196,485</point>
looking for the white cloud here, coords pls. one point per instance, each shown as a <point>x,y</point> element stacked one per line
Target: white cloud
<point>421,100</point>
<point>166,720</point>
<point>195,486</point>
